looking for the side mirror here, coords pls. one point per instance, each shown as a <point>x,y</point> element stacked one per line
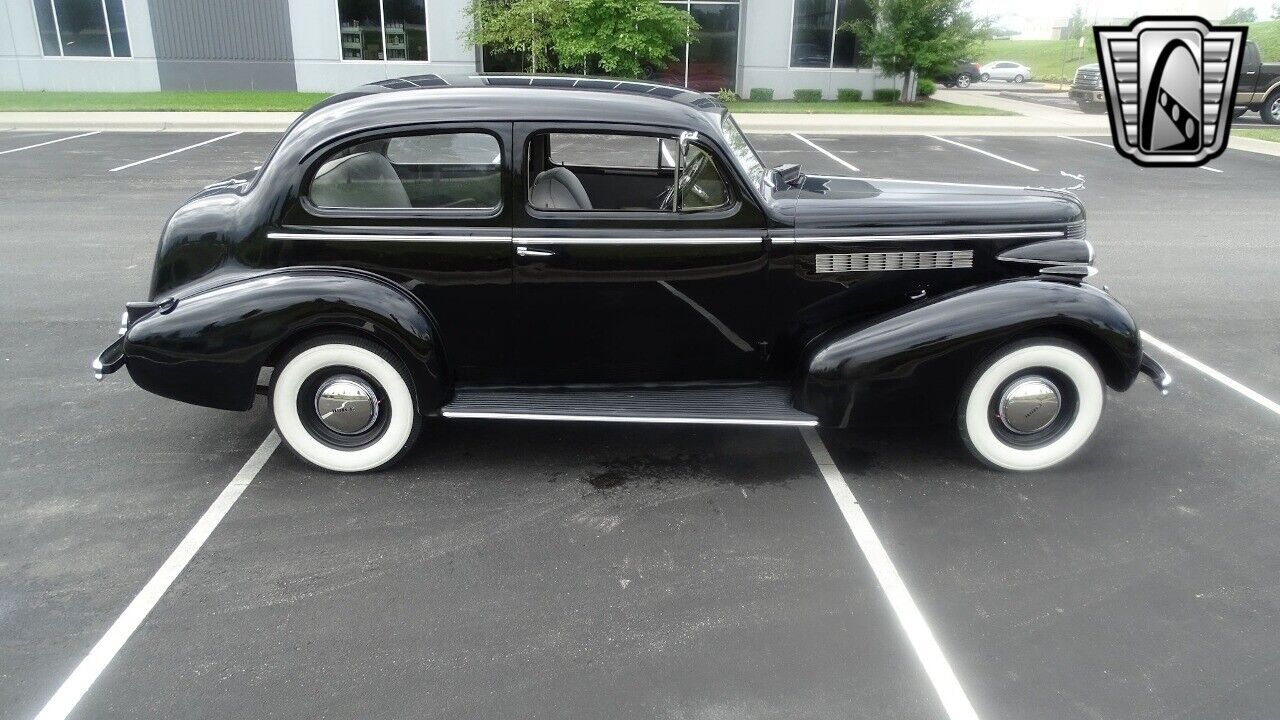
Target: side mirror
<point>789,174</point>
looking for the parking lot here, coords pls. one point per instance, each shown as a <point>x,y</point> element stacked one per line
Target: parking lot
<point>567,570</point>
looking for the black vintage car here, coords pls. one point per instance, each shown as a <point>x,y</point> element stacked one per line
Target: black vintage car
<point>582,249</point>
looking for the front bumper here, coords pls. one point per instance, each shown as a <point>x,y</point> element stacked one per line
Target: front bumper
<point>1154,370</point>
<point>1085,95</point>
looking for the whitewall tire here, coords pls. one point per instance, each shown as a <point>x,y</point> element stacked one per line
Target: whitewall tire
<point>344,403</point>
<point>1032,405</point>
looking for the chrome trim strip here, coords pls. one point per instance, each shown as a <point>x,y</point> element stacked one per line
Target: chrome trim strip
<point>637,241</point>
<point>939,236</point>
<point>893,261</point>
<point>612,418</point>
<point>361,237</point>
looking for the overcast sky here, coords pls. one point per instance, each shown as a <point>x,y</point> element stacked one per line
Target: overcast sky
<point>1113,8</point>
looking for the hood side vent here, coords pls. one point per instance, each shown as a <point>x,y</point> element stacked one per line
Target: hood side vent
<point>887,261</point>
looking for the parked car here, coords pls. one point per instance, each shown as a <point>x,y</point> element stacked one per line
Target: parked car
<point>1259,87</point>
<point>1005,70</point>
<point>1086,89</point>
<point>962,74</point>
<point>577,249</point>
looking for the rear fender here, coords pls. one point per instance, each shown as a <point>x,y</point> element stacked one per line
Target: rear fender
<point>910,365</point>
<point>207,348</point>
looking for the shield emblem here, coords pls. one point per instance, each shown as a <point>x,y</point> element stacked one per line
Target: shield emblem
<point>1170,84</point>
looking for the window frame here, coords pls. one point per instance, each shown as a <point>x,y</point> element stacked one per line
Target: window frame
<point>106,24</point>
<point>831,44</point>
<point>731,205</point>
<point>382,26</point>
<point>317,158</point>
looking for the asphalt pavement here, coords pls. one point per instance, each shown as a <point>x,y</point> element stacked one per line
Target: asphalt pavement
<point>585,571</point>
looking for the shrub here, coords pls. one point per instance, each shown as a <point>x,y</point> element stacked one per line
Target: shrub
<point>807,95</point>
<point>762,94</point>
<point>926,87</point>
<point>849,95</point>
<point>725,95</point>
<point>886,95</point>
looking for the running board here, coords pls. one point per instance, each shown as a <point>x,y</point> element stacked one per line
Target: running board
<point>708,405</point>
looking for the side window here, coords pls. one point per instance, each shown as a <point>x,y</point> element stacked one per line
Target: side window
<point>610,172</point>
<point>444,171</point>
<point>1251,56</point>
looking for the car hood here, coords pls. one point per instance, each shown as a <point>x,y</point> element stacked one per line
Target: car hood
<point>844,203</point>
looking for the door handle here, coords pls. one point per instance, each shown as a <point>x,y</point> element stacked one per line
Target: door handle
<point>523,251</point>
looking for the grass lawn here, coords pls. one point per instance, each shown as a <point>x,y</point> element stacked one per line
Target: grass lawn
<point>248,100</point>
<point>926,107</point>
<point>1272,134</point>
<point>1057,60</point>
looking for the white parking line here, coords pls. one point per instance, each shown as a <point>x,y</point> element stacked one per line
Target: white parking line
<point>49,142</point>
<point>175,152</point>
<point>831,155</point>
<point>1109,145</point>
<point>944,680</point>
<point>983,152</point>
<point>1253,395</point>
<point>80,680</point>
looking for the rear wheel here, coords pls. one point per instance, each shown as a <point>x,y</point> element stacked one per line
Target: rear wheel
<point>1031,405</point>
<point>1271,109</point>
<point>963,81</point>
<point>344,403</point>
<point>986,77</point>
<point>1017,78</point>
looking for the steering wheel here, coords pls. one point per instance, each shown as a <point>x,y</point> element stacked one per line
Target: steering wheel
<point>690,171</point>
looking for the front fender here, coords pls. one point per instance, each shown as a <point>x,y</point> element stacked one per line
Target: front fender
<point>911,365</point>
<point>207,348</point>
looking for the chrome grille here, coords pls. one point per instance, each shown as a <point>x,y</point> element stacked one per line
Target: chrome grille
<point>1088,77</point>
<point>883,261</point>
<point>1076,231</point>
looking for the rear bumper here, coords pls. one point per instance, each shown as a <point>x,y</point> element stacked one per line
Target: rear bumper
<point>1154,370</point>
<point>112,359</point>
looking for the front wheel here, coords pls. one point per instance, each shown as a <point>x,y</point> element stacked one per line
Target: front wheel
<point>344,403</point>
<point>1031,405</point>
<point>986,77</point>
<point>1017,78</point>
<point>1271,109</point>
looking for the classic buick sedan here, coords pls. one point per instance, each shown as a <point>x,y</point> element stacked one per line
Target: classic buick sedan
<point>579,249</point>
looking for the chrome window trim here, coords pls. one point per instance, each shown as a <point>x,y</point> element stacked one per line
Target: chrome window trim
<point>639,241</point>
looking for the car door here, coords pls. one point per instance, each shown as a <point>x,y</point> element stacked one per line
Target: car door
<point>618,286</point>
<point>1250,72</point>
<point>426,207</point>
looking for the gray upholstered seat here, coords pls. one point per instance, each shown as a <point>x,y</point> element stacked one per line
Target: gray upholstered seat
<point>559,189</point>
<point>363,180</point>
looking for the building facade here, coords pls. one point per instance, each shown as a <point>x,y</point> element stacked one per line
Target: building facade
<point>332,45</point>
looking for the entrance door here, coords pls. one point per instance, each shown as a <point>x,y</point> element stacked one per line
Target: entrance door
<point>621,277</point>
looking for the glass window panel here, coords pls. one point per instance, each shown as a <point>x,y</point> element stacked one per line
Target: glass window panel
<point>360,24</point>
<point>406,25</point>
<point>634,152</point>
<point>713,59</point>
<point>119,29</point>
<point>811,33</point>
<point>501,61</point>
<point>48,31</point>
<point>454,171</point>
<point>83,28</point>
<point>701,187</point>
<point>848,49</point>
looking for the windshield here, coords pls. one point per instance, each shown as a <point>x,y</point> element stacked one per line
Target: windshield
<point>746,155</point>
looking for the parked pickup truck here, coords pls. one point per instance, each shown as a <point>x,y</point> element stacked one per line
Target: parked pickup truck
<point>1086,89</point>
<point>1259,87</point>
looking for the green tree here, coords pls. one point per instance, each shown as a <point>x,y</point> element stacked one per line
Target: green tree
<point>1240,16</point>
<point>1275,11</point>
<point>919,37</point>
<point>620,37</point>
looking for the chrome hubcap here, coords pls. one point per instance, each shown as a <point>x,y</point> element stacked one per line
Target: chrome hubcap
<point>1275,108</point>
<point>1029,405</point>
<point>346,404</point>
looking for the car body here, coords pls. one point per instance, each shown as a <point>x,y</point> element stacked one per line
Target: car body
<point>584,249</point>
<point>1086,89</point>
<point>963,74</point>
<point>1259,86</point>
<point>1006,70</point>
